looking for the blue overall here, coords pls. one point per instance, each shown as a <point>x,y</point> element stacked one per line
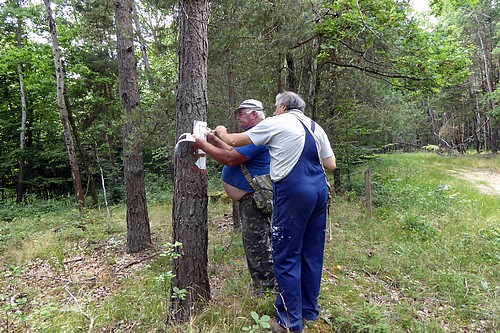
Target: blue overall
<point>299,223</point>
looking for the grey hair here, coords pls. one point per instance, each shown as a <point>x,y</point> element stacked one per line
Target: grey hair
<point>290,100</point>
<point>260,113</point>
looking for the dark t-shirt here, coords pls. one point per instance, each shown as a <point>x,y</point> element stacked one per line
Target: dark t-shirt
<point>257,164</point>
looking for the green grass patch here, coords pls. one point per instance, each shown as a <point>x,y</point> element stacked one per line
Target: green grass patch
<point>427,261</point>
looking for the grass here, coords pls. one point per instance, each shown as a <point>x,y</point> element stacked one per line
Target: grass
<point>428,261</point>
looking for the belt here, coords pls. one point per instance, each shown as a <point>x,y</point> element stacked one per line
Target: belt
<point>247,196</point>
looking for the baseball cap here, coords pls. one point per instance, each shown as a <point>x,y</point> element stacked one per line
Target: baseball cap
<point>250,104</point>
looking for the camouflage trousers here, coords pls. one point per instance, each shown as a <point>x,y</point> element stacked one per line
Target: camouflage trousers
<point>256,234</point>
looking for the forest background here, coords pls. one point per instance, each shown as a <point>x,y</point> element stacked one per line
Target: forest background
<point>375,74</point>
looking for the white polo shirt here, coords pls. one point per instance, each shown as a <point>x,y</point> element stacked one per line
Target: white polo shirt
<point>285,137</point>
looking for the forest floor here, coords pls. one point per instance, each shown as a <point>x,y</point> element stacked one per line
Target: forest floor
<point>94,273</point>
<point>88,270</point>
<point>486,181</point>
<point>89,276</point>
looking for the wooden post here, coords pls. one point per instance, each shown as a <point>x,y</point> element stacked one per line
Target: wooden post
<point>368,194</point>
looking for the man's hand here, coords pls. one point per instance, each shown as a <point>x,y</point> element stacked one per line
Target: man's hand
<point>198,142</point>
<point>233,139</point>
<point>220,131</point>
<point>211,137</point>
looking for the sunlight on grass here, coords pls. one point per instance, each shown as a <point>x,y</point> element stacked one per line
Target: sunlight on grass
<point>428,260</point>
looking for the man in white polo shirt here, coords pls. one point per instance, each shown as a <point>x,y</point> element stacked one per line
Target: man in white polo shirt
<point>300,151</point>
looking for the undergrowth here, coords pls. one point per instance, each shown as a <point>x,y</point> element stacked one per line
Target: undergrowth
<point>427,261</point>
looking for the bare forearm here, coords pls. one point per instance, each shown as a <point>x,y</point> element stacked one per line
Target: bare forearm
<point>235,139</point>
<point>217,142</point>
<point>225,154</point>
<point>329,163</point>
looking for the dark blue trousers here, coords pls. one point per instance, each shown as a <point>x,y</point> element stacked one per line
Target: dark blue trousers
<point>299,223</point>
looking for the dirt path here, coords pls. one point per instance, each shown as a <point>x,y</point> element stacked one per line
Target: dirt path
<point>485,180</point>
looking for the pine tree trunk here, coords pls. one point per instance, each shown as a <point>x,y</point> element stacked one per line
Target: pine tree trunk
<point>63,112</point>
<point>231,106</point>
<point>314,81</point>
<point>138,229</point>
<point>189,210</point>
<point>291,77</point>
<point>489,80</point>
<point>115,175</point>
<point>142,42</point>
<point>91,188</point>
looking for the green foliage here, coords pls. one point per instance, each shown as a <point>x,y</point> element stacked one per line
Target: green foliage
<point>255,47</point>
<point>368,320</point>
<point>261,323</point>
<point>426,262</point>
<point>379,38</point>
<point>418,227</point>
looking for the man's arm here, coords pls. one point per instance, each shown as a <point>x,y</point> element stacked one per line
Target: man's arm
<point>329,163</point>
<point>233,139</point>
<point>220,151</point>
<point>214,140</point>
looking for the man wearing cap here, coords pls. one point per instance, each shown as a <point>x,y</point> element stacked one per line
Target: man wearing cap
<point>255,225</point>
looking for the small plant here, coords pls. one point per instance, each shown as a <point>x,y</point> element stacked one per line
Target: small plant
<point>170,252</point>
<point>179,293</point>
<point>261,323</point>
<point>165,279</point>
<point>418,226</point>
<point>14,271</point>
<point>369,319</point>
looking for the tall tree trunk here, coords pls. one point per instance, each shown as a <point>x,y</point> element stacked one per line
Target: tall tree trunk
<point>189,210</point>
<point>22,142</point>
<point>231,103</point>
<point>488,76</point>
<point>63,112</point>
<point>90,179</point>
<point>280,70</point>
<point>291,73</point>
<point>314,81</point>
<point>434,124</point>
<point>115,174</point>
<point>138,229</point>
<point>231,93</point>
<point>477,128</point>
<point>142,42</point>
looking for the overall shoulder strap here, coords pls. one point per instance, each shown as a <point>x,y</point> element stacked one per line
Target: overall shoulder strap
<point>310,129</point>
<point>318,145</point>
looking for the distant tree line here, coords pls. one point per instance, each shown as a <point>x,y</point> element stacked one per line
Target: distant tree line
<point>372,72</point>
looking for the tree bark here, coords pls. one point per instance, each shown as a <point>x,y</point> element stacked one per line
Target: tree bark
<point>63,112</point>
<point>231,103</point>
<point>434,124</point>
<point>22,141</point>
<point>279,73</point>
<point>314,80</point>
<point>291,73</point>
<point>142,42</point>
<point>138,229</point>
<point>489,80</point>
<point>189,210</point>
<point>116,195</point>
<point>91,188</point>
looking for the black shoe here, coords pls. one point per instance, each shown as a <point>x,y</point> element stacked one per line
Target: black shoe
<point>277,328</point>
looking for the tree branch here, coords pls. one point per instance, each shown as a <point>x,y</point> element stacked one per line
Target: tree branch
<point>375,72</point>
